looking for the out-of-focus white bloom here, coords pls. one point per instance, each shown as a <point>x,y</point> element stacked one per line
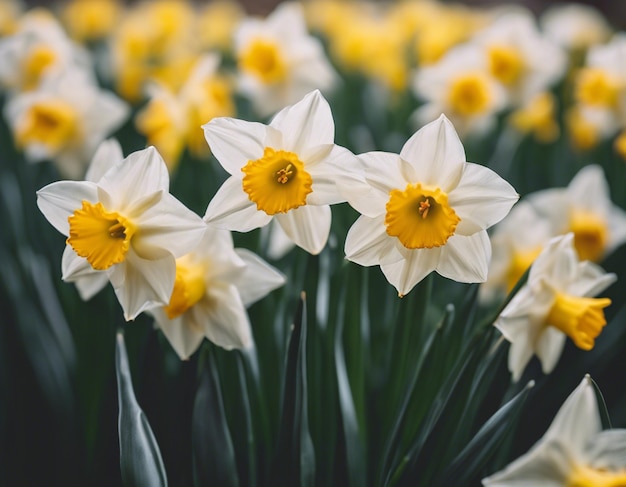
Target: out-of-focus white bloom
<point>585,209</point>
<point>554,303</point>
<point>524,61</point>
<point>575,26</point>
<point>461,87</point>
<point>173,121</point>
<point>278,242</point>
<point>126,225</point>
<point>600,85</point>
<point>214,285</point>
<point>574,452</point>
<point>279,61</point>
<point>64,120</point>
<point>427,210</point>
<point>289,170</point>
<point>38,48</point>
<point>515,248</point>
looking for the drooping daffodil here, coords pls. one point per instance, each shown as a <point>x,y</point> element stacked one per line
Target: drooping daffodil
<point>427,209</point>
<point>574,452</point>
<point>556,302</point>
<point>214,285</point>
<point>289,170</point>
<point>128,226</point>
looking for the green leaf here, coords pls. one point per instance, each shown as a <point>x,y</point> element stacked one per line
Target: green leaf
<point>214,460</point>
<point>140,459</point>
<point>294,463</point>
<point>468,463</point>
<point>355,448</point>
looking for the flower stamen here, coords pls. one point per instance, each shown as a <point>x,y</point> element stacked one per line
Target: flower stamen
<point>284,174</point>
<point>424,207</point>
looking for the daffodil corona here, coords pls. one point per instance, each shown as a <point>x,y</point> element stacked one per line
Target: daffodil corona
<point>214,284</point>
<point>125,224</point>
<point>289,170</point>
<point>426,209</point>
<point>556,302</point>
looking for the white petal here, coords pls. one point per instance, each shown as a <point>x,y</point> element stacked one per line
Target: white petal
<point>608,450</point>
<point>227,323</point>
<point>142,173</point>
<point>184,336</point>
<point>76,269</point>
<point>382,171</point>
<point>481,199</point>
<point>558,260</point>
<point>406,273</point>
<point>465,259</point>
<point>590,280</point>
<point>57,201</point>
<point>308,226</point>
<point>142,284</point>
<point>258,278</point>
<point>334,176</point>
<point>235,142</point>
<point>578,419</point>
<point>546,465</point>
<point>109,152</point>
<point>232,209</point>
<point>368,243</point>
<point>549,347</point>
<point>590,189</point>
<point>436,154</point>
<point>279,244</point>
<point>306,124</point>
<point>168,227</point>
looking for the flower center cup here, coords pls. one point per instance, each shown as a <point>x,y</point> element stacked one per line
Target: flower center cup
<point>277,182</point>
<point>520,262</point>
<point>506,64</point>
<point>596,87</point>
<point>189,288</point>
<point>101,237</point>
<point>590,234</point>
<point>469,95</point>
<point>420,217</point>
<point>580,318</point>
<point>52,123</point>
<point>39,59</point>
<point>590,477</point>
<point>263,59</point>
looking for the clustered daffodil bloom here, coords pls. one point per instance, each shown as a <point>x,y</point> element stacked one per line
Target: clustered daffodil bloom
<point>574,452</point>
<point>127,225</point>
<point>279,61</point>
<point>427,209</point>
<point>556,302</point>
<point>214,285</point>
<point>64,120</point>
<point>289,170</point>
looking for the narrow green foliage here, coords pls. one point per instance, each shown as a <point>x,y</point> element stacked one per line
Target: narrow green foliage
<point>213,452</point>
<point>294,462</point>
<point>140,459</point>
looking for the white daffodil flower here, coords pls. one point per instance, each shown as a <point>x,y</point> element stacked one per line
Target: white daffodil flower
<point>289,170</point>
<point>460,86</point>
<point>514,248</point>
<point>38,48</point>
<point>76,269</point>
<point>585,209</point>
<point>127,225</point>
<point>214,285</point>
<point>64,120</point>
<point>574,452</point>
<point>575,26</point>
<point>427,210</point>
<point>279,61</point>
<point>520,57</point>
<point>556,302</point>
